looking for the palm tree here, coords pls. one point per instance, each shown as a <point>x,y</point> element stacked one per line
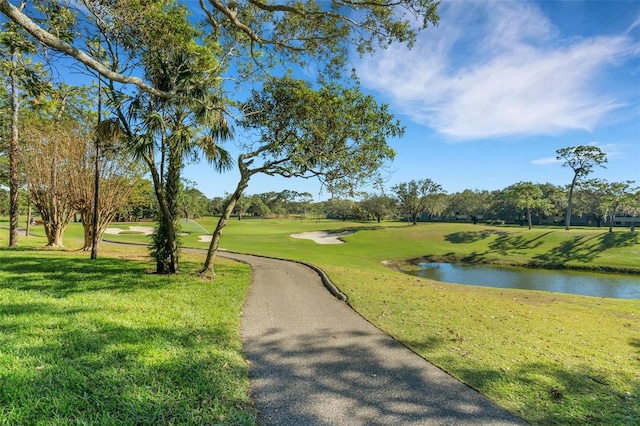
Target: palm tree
<point>188,125</point>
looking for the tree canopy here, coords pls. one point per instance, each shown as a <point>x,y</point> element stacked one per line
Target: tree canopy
<point>253,35</point>
<point>181,56</point>
<point>413,196</point>
<point>334,133</point>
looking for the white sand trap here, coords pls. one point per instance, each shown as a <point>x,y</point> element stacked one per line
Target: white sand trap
<point>146,230</point>
<point>323,237</point>
<point>205,238</point>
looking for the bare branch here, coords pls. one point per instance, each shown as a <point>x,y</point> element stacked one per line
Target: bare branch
<point>233,18</point>
<point>275,7</point>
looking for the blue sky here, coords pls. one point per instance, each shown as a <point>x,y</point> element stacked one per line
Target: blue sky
<point>495,89</point>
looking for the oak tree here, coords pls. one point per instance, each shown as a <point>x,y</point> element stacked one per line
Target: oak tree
<point>334,134</point>
<point>413,196</point>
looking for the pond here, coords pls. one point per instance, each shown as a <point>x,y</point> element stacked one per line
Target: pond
<point>619,286</point>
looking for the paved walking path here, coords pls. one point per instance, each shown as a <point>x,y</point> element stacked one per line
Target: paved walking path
<point>315,361</point>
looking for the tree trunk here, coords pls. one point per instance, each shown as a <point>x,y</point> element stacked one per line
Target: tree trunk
<point>14,204</point>
<point>27,228</point>
<point>611,219</point>
<point>172,189</point>
<point>529,218</point>
<point>95,217</point>
<point>88,234</point>
<point>170,264</point>
<point>96,185</point>
<point>54,234</point>
<point>567,216</point>
<point>245,175</point>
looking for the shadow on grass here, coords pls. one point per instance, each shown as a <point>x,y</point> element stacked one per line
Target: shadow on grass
<point>471,237</point>
<point>69,355</point>
<point>355,229</point>
<point>506,242</point>
<point>107,373</point>
<point>563,396</point>
<point>585,249</point>
<point>62,276</point>
<point>580,248</point>
<point>28,249</point>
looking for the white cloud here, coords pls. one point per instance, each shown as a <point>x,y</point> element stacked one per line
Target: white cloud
<point>497,69</point>
<point>616,150</point>
<point>633,26</point>
<point>546,160</point>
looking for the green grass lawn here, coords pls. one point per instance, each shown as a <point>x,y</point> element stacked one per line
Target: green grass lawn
<point>105,342</point>
<point>549,358</point>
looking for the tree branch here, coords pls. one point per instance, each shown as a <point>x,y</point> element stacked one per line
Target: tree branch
<point>50,40</point>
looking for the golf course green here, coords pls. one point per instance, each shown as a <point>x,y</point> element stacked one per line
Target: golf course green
<point>549,358</point>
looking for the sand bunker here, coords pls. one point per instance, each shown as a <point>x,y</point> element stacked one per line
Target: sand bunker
<point>146,230</point>
<point>323,237</point>
<point>320,237</point>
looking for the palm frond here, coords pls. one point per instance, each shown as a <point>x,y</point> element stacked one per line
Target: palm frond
<point>217,156</point>
<point>109,132</point>
<point>140,145</point>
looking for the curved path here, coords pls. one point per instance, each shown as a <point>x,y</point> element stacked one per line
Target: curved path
<point>315,361</point>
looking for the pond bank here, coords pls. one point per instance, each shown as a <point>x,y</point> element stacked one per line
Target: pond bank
<point>398,264</point>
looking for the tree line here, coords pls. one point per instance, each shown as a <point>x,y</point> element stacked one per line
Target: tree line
<point>593,200</point>
<point>128,196</point>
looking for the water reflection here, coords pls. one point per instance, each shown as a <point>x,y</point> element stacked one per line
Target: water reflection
<point>617,286</point>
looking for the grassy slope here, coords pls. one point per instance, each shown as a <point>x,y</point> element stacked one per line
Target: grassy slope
<point>550,358</point>
<point>103,342</point>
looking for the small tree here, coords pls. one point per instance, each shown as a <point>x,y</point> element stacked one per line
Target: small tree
<point>525,195</point>
<point>242,205</point>
<point>472,203</point>
<point>342,208</point>
<point>54,145</point>
<point>553,201</point>
<point>618,196</point>
<point>191,201</point>
<point>581,159</point>
<point>141,204</point>
<point>258,207</point>
<point>119,177</point>
<point>588,199</point>
<point>334,134</point>
<point>379,206</point>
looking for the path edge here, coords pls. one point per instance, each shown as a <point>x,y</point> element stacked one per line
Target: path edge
<point>328,284</point>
